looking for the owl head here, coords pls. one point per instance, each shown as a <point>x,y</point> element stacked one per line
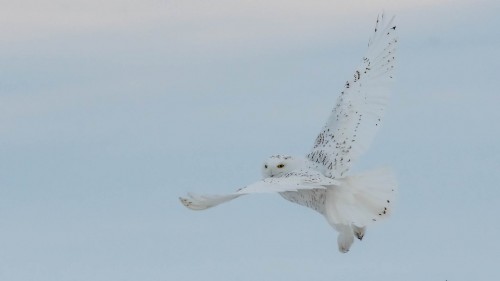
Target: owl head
<point>278,165</point>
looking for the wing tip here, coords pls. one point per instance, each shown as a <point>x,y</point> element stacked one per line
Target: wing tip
<point>191,204</point>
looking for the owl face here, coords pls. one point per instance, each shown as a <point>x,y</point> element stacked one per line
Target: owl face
<point>278,165</point>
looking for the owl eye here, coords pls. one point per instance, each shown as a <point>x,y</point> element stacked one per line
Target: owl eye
<point>281,166</point>
<point>265,166</point>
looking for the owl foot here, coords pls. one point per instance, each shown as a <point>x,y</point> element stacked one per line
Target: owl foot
<point>359,232</point>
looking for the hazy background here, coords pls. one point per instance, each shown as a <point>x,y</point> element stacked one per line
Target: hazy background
<point>110,110</point>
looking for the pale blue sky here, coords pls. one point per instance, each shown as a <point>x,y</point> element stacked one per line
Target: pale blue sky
<point>110,110</point>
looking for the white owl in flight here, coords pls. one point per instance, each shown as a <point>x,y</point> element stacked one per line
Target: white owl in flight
<point>320,180</point>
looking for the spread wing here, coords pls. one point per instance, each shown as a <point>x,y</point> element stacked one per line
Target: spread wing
<point>293,181</point>
<point>356,117</point>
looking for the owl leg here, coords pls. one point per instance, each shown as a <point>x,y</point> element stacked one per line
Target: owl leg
<point>345,238</point>
<point>359,231</point>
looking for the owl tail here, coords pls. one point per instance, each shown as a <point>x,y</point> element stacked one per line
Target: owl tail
<point>360,200</point>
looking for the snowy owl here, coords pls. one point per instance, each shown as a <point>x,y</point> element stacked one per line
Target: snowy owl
<point>320,180</point>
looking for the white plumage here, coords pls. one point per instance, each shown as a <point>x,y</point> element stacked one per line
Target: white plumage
<point>319,181</point>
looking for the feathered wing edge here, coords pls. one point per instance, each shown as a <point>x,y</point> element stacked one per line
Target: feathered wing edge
<point>201,202</point>
<point>297,180</point>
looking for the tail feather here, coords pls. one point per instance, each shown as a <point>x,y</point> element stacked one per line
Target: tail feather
<point>362,199</point>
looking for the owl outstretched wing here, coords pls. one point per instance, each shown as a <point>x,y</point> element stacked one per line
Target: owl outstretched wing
<point>357,115</point>
<point>293,181</point>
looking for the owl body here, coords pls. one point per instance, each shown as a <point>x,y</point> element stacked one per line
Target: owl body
<point>349,205</point>
<point>313,199</point>
<point>283,165</point>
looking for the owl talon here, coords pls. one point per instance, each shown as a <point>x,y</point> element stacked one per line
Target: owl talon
<point>359,232</point>
<point>360,236</point>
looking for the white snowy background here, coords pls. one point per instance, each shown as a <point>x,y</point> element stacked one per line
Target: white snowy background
<point>110,110</point>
